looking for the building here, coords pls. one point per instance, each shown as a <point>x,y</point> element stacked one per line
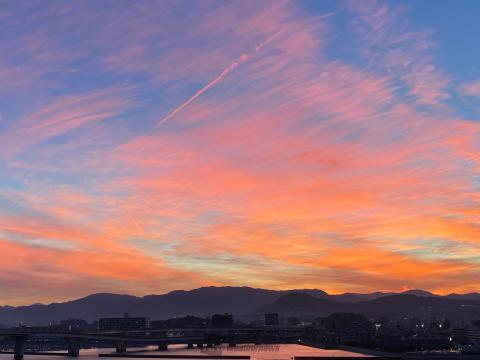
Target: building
<point>74,324</point>
<point>272,319</point>
<point>125,323</point>
<point>181,322</point>
<point>293,321</point>
<point>349,329</point>
<point>466,335</point>
<point>399,344</point>
<point>222,320</point>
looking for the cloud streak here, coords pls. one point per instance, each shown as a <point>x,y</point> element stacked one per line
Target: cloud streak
<point>243,58</point>
<point>336,153</point>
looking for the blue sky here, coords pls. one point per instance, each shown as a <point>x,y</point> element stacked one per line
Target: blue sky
<point>148,146</point>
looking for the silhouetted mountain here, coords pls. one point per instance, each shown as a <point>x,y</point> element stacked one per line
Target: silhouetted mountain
<point>203,302</point>
<point>199,302</point>
<point>347,297</point>
<point>415,306</point>
<point>469,296</point>
<point>243,301</point>
<point>393,306</point>
<point>209,300</point>
<point>419,293</point>
<point>304,304</point>
<point>355,297</point>
<point>89,308</point>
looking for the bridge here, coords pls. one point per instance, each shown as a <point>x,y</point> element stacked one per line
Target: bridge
<point>192,337</point>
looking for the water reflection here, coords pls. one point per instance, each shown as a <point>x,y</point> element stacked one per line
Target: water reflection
<point>261,352</point>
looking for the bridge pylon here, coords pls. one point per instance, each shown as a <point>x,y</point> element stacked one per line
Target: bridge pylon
<point>19,349</point>
<point>121,346</point>
<point>162,347</point>
<point>73,346</point>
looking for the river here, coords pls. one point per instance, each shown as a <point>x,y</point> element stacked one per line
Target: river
<point>260,352</point>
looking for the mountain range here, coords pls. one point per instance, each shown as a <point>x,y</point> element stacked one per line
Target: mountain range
<point>246,303</point>
<point>391,306</point>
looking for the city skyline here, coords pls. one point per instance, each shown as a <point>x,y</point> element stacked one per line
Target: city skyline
<point>153,146</point>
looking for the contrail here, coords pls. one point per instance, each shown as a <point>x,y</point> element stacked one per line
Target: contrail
<point>244,57</point>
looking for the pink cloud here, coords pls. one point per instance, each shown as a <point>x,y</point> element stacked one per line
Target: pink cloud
<point>471,88</point>
<point>390,45</point>
<point>292,149</point>
<point>62,116</point>
<point>400,172</point>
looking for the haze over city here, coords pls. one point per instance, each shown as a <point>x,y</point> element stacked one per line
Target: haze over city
<point>149,146</point>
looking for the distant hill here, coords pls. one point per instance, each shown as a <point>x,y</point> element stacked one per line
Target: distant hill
<point>355,297</point>
<point>89,308</point>
<point>298,304</point>
<point>200,302</point>
<point>210,300</point>
<point>392,306</point>
<point>419,293</point>
<point>244,302</point>
<point>469,296</point>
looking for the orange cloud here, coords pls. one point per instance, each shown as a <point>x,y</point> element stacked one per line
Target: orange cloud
<point>298,169</point>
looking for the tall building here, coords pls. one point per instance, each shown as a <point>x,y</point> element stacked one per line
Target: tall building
<point>125,323</point>
<point>272,319</point>
<point>349,328</point>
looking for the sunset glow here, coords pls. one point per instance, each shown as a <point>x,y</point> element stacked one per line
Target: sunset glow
<point>147,146</point>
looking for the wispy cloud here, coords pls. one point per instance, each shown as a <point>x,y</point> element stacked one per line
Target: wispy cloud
<point>340,167</point>
<point>389,42</point>
<point>244,57</point>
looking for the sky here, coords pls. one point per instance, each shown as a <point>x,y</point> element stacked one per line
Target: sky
<point>147,146</point>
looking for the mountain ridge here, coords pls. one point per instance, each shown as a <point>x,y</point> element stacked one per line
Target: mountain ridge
<point>392,306</point>
<point>205,301</point>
